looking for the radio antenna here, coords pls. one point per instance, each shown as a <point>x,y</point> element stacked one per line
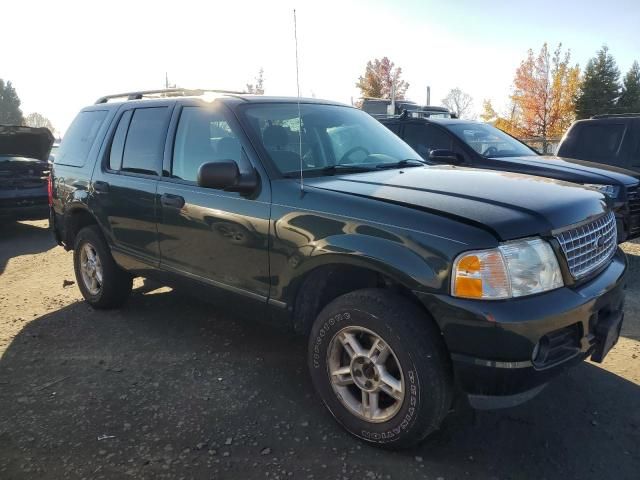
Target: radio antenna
<point>295,36</point>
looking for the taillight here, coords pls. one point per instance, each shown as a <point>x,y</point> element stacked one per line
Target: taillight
<point>50,189</point>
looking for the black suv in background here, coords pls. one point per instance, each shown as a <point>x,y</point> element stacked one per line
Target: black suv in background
<point>480,145</point>
<point>24,172</point>
<point>410,281</point>
<point>612,139</point>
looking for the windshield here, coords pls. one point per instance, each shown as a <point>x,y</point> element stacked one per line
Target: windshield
<point>333,137</point>
<point>489,141</point>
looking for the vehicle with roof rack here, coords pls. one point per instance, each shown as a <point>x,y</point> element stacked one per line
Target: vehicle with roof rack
<point>480,145</point>
<point>384,107</point>
<point>413,283</point>
<point>608,139</point>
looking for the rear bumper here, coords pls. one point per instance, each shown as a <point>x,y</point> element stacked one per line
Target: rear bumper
<point>511,348</point>
<point>24,204</point>
<point>24,209</point>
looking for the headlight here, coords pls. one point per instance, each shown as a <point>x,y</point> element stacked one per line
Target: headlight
<point>514,269</point>
<point>609,190</point>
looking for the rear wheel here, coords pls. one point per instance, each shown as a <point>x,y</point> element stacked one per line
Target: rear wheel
<point>380,367</point>
<point>102,283</point>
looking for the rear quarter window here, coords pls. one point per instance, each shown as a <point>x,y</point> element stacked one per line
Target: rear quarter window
<point>80,137</point>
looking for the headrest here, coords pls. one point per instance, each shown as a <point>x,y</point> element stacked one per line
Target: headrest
<point>275,136</point>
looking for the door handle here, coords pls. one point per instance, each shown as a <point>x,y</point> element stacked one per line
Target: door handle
<point>100,186</point>
<point>169,200</point>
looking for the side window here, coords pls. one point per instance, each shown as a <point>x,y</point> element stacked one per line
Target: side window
<point>203,136</point>
<point>117,145</point>
<point>600,141</point>
<point>424,138</point>
<point>394,127</point>
<point>80,138</point>
<point>144,145</point>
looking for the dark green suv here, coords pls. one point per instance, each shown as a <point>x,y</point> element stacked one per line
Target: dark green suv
<point>411,281</point>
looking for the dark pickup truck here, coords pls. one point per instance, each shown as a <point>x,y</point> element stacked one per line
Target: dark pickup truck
<point>24,172</point>
<point>410,281</point>
<point>479,145</point>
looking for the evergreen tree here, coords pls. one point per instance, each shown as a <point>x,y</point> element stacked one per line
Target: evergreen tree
<point>10,113</point>
<point>600,86</point>
<point>629,101</point>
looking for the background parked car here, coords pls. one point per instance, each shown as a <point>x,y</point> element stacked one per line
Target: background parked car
<point>24,172</point>
<point>479,145</point>
<point>607,139</point>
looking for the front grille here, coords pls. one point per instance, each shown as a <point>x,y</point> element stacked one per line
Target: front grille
<point>633,197</point>
<point>588,247</point>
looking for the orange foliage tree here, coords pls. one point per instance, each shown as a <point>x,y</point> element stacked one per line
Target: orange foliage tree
<point>545,89</point>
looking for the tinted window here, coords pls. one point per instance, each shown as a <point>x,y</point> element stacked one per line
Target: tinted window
<point>394,127</point>
<point>144,146</point>
<point>202,136</point>
<point>117,145</point>
<point>80,137</point>
<point>424,138</point>
<point>599,141</point>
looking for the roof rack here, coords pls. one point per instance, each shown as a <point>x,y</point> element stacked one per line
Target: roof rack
<point>165,92</point>
<point>615,115</point>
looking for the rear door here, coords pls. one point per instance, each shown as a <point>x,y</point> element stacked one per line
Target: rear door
<point>218,237</point>
<point>124,187</point>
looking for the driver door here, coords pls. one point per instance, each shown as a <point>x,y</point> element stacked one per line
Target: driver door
<point>214,236</point>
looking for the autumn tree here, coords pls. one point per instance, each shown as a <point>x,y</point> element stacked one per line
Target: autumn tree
<point>545,87</point>
<point>600,86</point>
<point>381,78</point>
<point>38,120</point>
<point>458,102</point>
<point>257,87</point>
<point>507,123</point>
<point>10,113</point>
<point>629,101</point>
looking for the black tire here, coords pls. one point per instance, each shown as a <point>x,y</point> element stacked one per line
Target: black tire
<point>116,283</point>
<point>417,345</point>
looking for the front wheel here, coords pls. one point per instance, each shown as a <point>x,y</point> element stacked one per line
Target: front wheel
<point>102,282</point>
<point>380,367</point>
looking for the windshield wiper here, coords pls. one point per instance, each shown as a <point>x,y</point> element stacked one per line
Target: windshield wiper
<point>332,170</point>
<point>407,162</point>
<point>344,167</point>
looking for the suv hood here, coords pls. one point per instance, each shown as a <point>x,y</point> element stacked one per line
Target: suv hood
<point>510,205</point>
<point>25,142</point>
<point>569,170</point>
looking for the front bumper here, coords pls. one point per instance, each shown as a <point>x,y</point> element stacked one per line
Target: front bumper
<point>513,347</point>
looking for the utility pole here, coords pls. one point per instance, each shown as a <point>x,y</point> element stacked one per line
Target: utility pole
<point>428,95</point>
<point>166,80</point>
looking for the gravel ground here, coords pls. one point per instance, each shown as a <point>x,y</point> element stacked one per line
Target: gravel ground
<point>170,387</point>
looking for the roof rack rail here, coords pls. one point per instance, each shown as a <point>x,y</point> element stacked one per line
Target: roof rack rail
<point>165,92</point>
<point>615,115</point>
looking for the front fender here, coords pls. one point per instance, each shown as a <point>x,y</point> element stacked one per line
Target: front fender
<point>403,260</point>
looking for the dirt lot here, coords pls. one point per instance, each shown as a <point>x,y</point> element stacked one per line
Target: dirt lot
<point>170,387</point>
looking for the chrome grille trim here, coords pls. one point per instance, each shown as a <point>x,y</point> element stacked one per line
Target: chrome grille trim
<point>580,245</point>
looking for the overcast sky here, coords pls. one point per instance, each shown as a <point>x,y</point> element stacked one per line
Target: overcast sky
<point>62,55</point>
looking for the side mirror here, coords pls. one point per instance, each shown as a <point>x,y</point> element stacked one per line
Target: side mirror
<point>226,176</point>
<point>445,156</point>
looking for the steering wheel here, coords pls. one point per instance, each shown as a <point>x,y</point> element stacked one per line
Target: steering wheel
<point>490,151</point>
<point>351,151</point>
